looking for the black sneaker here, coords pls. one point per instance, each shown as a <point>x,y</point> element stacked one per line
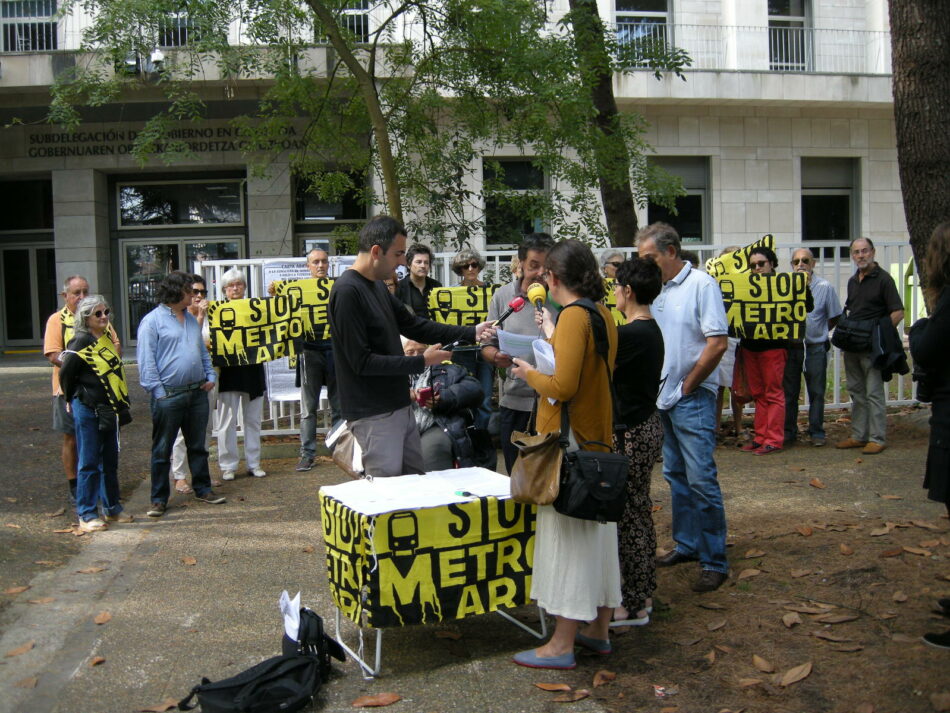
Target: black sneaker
<point>709,581</point>
<point>940,641</point>
<point>212,498</point>
<point>156,510</point>
<point>305,463</point>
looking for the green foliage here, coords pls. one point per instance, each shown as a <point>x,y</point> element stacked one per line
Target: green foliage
<point>470,78</point>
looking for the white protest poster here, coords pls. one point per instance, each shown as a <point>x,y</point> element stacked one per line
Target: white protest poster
<point>282,373</point>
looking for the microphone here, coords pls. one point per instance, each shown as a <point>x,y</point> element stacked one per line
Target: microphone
<point>516,305</point>
<point>538,295</point>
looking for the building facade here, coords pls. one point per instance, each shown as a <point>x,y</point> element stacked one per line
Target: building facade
<point>783,125</point>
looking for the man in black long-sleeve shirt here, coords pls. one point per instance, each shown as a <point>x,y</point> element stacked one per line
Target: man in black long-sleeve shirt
<point>366,321</point>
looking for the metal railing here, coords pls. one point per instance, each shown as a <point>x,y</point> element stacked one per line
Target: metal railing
<point>834,264</point>
<point>770,49</point>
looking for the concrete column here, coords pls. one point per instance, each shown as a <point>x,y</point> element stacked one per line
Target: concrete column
<point>270,213</point>
<point>81,228</point>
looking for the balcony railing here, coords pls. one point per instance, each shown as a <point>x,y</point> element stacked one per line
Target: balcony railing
<point>770,49</point>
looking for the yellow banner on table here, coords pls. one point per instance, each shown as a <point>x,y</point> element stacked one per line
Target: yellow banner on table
<point>422,566</point>
<point>463,306</point>
<point>765,306</point>
<point>313,297</point>
<point>738,261</point>
<point>252,331</point>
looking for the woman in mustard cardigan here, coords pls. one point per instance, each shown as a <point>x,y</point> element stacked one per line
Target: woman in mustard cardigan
<point>576,566</point>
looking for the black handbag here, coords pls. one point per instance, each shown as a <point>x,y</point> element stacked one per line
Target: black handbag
<point>853,335</point>
<point>593,483</point>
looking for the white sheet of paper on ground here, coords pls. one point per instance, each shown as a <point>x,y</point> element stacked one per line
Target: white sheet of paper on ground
<point>409,492</point>
<point>544,359</point>
<point>516,345</point>
<point>290,608</point>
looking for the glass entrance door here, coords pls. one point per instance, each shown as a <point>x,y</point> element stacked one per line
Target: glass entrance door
<point>29,293</point>
<point>145,263</point>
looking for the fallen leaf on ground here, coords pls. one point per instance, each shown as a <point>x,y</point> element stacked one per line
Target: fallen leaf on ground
<point>878,531</point>
<point>749,682</point>
<point>917,551</point>
<point>16,590</point>
<point>828,636</point>
<point>891,553</point>
<point>90,570</point>
<point>816,483</point>
<point>711,656</point>
<point>848,648</point>
<point>845,549</point>
<point>801,608</point>
<point>892,497</point>
<point>445,634</point>
<point>940,701</point>
<point>571,696</point>
<point>754,553</point>
<point>377,699</point>
<point>56,513</point>
<point>553,686</point>
<point>725,649</point>
<point>603,677</point>
<point>14,526</point>
<point>804,530</point>
<point>308,548</point>
<point>709,605</point>
<point>42,600</point>
<point>931,543</point>
<point>688,642</point>
<point>796,674</point>
<point>748,574</point>
<point>791,619</point>
<point>64,531</point>
<point>96,660</point>
<point>836,618</point>
<point>26,682</point>
<point>48,563</point>
<point>864,708</point>
<point>887,615</point>
<point>899,597</point>
<point>189,561</point>
<point>716,624</point>
<point>799,573</point>
<point>103,617</point>
<point>858,460</point>
<point>165,705</point>
<point>657,508</point>
<point>904,639</point>
<point>20,650</point>
<point>924,524</point>
<point>10,500</point>
<point>761,664</point>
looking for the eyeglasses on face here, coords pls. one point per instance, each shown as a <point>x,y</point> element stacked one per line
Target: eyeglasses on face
<point>615,264</point>
<point>801,261</point>
<point>102,312</point>
<point>200,293</point>
<point>471,266</point>
<point>758,264</point>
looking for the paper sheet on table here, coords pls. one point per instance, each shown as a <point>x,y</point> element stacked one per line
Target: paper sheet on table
<point>408,492</point>
<point>516,345</point>
<point>290,608</point>
<point>544,359</point>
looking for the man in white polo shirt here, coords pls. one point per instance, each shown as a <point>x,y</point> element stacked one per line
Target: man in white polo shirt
<point>691,315</point>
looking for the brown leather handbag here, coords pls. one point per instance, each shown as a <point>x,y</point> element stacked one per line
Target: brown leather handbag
<point>536,473</point>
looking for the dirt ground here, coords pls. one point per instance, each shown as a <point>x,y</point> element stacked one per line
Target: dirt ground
<point>816,536</point>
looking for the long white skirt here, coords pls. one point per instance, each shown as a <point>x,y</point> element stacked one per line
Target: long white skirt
<point>576,565</point>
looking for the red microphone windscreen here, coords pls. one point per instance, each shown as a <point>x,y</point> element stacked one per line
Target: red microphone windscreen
<point>517,304</point>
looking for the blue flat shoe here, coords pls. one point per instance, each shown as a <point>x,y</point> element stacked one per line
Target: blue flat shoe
<point>598,646</point>
<point>530,659</point>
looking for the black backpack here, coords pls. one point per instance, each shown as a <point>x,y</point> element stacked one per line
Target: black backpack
<point>283,683</point>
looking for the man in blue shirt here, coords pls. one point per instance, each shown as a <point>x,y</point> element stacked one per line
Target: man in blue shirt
<point>692,318</point>
<point>175,369</point>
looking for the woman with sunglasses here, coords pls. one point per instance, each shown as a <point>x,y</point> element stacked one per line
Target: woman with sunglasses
<point>610,260</point>
<point>468,265</point>
<point>97,444</point>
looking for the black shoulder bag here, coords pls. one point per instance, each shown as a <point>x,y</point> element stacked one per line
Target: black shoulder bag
<point>593,483</point>
<point>853,335</point>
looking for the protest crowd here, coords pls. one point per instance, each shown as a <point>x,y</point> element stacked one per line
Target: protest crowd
<point>638,370</point>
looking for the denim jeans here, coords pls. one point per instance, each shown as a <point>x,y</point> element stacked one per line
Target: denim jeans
<point>187,411</point>
<point>316,371</point>
<point>816,371</point>
<point>98,465</point>
<point>699,519</point>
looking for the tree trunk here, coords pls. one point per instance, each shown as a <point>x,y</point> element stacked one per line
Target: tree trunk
<point>920,43</point>
<point>611,154</point>
<point>367,87</point>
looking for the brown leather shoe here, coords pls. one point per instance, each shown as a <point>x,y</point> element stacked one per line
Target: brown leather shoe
<point>873,448</point>
<point>673,557</point>
<point>850,443</point>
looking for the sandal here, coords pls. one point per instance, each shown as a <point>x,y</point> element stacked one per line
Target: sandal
<point>182,487</point>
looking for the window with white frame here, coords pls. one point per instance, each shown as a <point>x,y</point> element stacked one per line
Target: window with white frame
<point>790,41</point>
<point>29,25</point>
<point>176,30</point>
<point>514,191</point>
<point>691,219</point>
<point>829,201</point>
<point>644,22</point>
<point>355,19</point>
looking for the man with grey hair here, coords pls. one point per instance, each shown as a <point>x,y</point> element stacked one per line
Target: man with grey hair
<point>175,369</point>
<point>814,357</point>
<point>60,328</point>
<point>692,318</point>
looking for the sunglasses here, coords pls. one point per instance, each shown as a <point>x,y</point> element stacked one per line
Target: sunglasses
<point>101,312</point>
<point>471,266</point>
<point>615,265</point>
<point>756,265</point>
<point>801,261</point>
<point>200,293</point>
